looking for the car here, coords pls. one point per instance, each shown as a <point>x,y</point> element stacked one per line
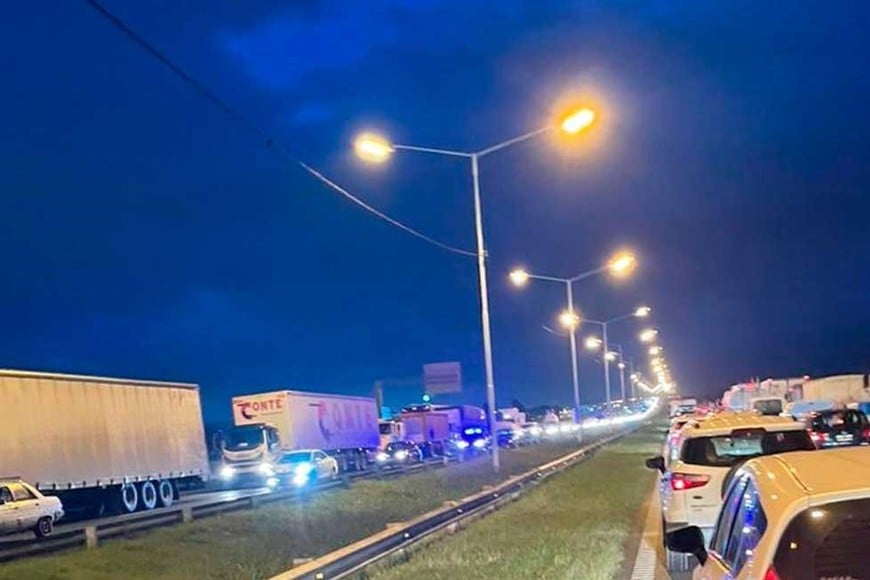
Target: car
<point>693,480</point>
<point>399,453</point>
<point>23,508</point>
<point>303,467</point>
<point>797,515</point>
<point>839,427</point>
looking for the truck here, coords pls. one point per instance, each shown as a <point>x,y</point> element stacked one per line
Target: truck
<point>102,445</point>
<point>267,425</point>
<point>428,429</point>
<point>841,389</point>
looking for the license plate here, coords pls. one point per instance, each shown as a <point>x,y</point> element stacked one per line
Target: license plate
<point>844,437</point>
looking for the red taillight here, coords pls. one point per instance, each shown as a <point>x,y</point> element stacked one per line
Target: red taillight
<point>866,433</point>
<point>818,438</point>
<point>771,574</point>
<point>683,481</point>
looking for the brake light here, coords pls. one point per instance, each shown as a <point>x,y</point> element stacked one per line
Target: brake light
<point>771,574</point>
<point>818,438</point>
<point>683,481</point>
<point>866,433</point>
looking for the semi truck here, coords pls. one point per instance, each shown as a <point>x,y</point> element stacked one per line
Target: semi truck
<point>467,424</point>
<point>267,425</point>
<point>101,444</point>
<point>429,429</point>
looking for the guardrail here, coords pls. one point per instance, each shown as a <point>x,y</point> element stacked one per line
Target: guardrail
<point>356,557</point>
<point>90,535</point>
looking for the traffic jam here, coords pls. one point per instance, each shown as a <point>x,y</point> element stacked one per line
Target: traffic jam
<point>772,482</point>
<point>145,444</point>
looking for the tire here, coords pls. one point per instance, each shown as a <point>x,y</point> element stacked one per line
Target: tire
<point>44,527</point>
<point>165,493</point>
<point>334,474</point>
<point>128,498</point>
<point>147,495</point>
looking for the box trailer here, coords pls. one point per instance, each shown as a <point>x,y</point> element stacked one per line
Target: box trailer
<point>430,429</point>
<point>270,424</point>
<point>101,443</point>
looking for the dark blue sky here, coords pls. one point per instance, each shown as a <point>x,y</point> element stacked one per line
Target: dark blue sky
<point>147,234</point>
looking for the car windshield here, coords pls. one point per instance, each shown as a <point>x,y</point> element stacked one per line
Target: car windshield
<point>296,457</point>
<point>726,450</point>
<point>768,406</point>
<point>385,428</point>
<point>827,541</point>
<point>241,438</point>
<point>396,446</point>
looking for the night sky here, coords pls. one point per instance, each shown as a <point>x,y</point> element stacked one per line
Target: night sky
<point>148,234</point>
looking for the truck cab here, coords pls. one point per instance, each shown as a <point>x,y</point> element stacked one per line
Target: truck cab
<point>249,452</point>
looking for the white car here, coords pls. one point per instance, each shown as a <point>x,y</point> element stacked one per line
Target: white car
<point>694,477</point>
<point>23,508</point>
<point>798,515</point>
<point>304,467</point>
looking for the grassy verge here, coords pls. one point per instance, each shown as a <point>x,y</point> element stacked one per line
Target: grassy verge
<point>262,542</point>
<point>573,526</point>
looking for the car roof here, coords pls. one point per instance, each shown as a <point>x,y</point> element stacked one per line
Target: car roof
<point>725,422</point>
<point>816,477</point>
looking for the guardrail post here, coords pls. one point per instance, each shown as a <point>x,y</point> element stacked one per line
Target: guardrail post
<point>91,539</point>
<point>187,514</point>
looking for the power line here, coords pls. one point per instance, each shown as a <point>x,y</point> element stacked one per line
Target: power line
<point>205,92</point>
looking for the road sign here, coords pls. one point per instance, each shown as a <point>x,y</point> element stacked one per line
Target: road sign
<point>444,377</point>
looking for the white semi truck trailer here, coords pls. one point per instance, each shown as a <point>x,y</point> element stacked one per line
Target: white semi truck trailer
<point>101,444</point>
<point>269,424</point>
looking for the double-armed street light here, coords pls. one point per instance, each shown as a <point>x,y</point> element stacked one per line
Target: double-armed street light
<point>619,266</point>
<point>377,149</point>
<point>639,312</point>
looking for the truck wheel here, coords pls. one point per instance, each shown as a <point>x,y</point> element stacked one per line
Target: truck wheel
<point>129,498</point>
<point>44,527</point>
<point>147,495</point>
<point>165,495</point>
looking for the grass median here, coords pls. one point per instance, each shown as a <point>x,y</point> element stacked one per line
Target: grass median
<point>261,542</point>
<point>573,526</point>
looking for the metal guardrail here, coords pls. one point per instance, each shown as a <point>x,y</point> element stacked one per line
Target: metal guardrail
<point>356,557</point>
<point>90,535</point>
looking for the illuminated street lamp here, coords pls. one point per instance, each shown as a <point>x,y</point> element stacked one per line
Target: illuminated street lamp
<point>569,319</point>
<point>654,350</point>
<point>617,266</point>
<point>374,148</point>
<point>648,335</point>
<point>639,312</point>
<point>593,343</point>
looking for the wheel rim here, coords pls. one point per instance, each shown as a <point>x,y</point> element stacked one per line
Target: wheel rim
<point>45,526</point>
<point>149,495</point>
<point>165,493</point>
<point>129,497</point>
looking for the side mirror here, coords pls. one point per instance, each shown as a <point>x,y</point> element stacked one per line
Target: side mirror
<point>657,463</point>
<point>687,541</point>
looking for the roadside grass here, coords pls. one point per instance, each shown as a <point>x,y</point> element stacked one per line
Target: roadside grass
<point>574,526</point>
<point>259,543</point>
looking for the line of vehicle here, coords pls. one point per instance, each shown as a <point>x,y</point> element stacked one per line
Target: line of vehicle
<point>357,557</point>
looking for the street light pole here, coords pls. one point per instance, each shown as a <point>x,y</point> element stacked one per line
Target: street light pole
<point>606,362</point>
<point>484,310</point>
<point>621,370</point>
<point>574,362</point>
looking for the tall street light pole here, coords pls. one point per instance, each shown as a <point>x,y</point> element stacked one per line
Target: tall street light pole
<point>640,312</point>
<point>619,265</point>
<point>377,149</point>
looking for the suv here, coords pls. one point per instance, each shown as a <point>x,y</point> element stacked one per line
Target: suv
<point>836,428</point>
<point>706,453</point>
<point>23,507</point>
<point>800,515</point>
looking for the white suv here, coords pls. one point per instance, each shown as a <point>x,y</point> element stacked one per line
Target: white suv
<point>23,507</point>
<point>693,481</point>
<point>798,515</point>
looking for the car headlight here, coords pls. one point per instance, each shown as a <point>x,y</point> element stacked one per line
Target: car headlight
<point>227,472</point>
<point>552,430</point>
<point>266,469</point>
<point>479,443</point>
<point>382,457</point>
<point>462,444</point>
<point>401,455</point>
<point>304,469</point>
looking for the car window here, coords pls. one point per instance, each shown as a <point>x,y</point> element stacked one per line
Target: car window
<point>730,507</point>
<point>853,420</point>
<point>749,526</point>
<point>319,455</point>
<point>726,450</point>
<point>19,492</point>
<point>827,541</point>
<point>5,494</point>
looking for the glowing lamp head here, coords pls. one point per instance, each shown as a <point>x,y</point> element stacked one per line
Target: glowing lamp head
<point>519,277</point>
<point>593,343</point>
<point>611,356</point>
<point>642,311</point>
<point>370,147</point>
<point>622,265</point>
<point>569,319</point>
<point>577,121</point>
<point>648,335</point>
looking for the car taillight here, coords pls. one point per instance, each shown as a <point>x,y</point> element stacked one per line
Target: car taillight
<point>683,481</point>
<point>818,438</point>
<point>771,574</point>
<point>866,433</point>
